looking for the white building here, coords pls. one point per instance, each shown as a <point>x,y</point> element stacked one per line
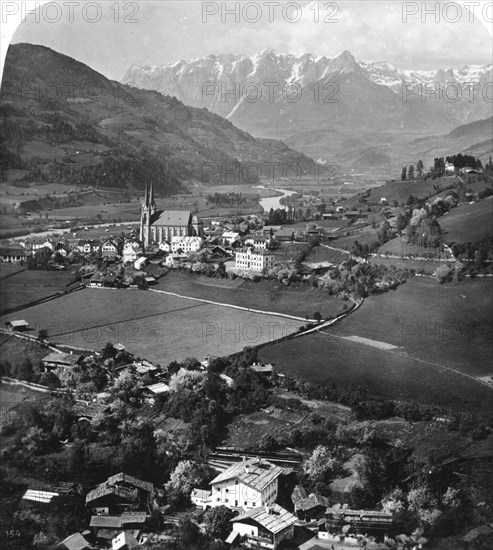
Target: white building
<point>257,241</point>
<point>186,244</point>
<point>140,262</point>
<point>247,484</point>
<point>131,251</point>
<point>256,259</point>
<point>230,237</point>
<point>449,168</point>
<point>264,527</point>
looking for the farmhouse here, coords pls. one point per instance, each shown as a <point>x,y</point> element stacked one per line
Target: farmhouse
<point>140,262</point>
<point>285,235</point>
<point>60,360</point>
<point>18,325</point>
<point>200,497</point>
<point>12,254</point>
<point>246,484</point>
<point>264,527</point>
<point>119,493</point>
<point>257,259</point>
<point>158,226</point>
<point>109,248</point>
<point>308,507</point>
<point>87,246</point>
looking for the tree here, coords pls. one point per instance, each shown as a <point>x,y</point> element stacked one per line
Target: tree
<point>184,478</point>
<point>403,174</point>
<point>217,522</point>
<point>42,334</point>
<point>410,173</point>
<point>419,168</point>
<point>320,464</point>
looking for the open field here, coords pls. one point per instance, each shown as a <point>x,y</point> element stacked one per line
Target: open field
<point>468,222</point>
<point>264,295</point>
<point>448,324</point>
<point>16,350</point>
<point>435,328</point>
<point>157,327</point>
<point>28,286</point>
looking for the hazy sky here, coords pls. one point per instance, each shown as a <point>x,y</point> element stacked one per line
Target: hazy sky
<point>165,31</point>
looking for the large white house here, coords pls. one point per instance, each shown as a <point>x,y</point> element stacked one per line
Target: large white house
<point>186,244</point>
<point>247,484</point>
<point>256,259</point>
<point>264,527</point>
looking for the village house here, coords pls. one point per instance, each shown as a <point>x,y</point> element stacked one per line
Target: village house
<point>200,497</point>
<point>308,507</point>
<point>186,244</point>
<point>87,246</point>
<point>174,260</point>
<point>109,248</point>
<point>230,237</point>
<point>152,391</point>
<point>140,263</point>
<point>256,260</point>
<point>449,168</point>
<point>263,527</point>
<point>12,254</point>
<point>120,493</point>
<point>124,541</point>
<point>285,235</point>
<point>246,484</point>
<point>264,370</point>
<point>17,325</point>
<point>131,251</point>
<point>258,242</point>
<point>107,528</point>
<point>36,243</point>
<point>57,360</point>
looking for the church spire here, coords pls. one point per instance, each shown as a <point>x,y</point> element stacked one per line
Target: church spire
<point>151,196</point>
<point>146,196</point>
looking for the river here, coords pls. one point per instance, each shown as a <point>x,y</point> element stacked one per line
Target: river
<point>274,202</point>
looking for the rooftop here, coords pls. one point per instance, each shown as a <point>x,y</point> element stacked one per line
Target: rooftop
<point>174,218</point>
<point>255,473</point>
<point>274,518</point>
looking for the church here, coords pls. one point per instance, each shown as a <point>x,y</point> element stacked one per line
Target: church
<point>157,226</point>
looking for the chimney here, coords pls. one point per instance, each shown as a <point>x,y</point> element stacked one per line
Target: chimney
<point>266,507</point>
<point>247,470</point>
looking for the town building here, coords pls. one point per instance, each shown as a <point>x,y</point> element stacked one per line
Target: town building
<point>230,237</point>
<point>186,244</point>
<point>157,226</point>
<point>109,248</point>
<point>246,484</point>
<point>120,493</point>
<point>308,506</point>
<point>256,259</point>
<point>12,254</point>
<point>263,527</point>
<point>257,241</point>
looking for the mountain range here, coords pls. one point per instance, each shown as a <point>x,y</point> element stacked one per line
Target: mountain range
<point>323,106</point>
<point>63,121</point>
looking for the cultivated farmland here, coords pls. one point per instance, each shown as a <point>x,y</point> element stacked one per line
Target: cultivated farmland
<point>154,326</point>
<point>428,344</point>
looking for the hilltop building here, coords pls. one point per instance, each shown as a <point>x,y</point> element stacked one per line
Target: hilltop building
<point>257,259</point>
<point>157,226</point>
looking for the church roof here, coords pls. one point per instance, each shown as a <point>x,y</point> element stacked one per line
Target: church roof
<point>174,218</point>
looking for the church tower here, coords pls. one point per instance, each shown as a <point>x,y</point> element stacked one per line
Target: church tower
<point>147,211</point>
